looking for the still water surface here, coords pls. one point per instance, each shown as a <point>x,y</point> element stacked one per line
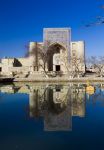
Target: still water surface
<point>51,117</point>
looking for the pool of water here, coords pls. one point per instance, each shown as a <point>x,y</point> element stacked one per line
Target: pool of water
<point>47,117</point>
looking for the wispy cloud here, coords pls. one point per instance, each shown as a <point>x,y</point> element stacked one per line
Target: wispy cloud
<point>98,20</point>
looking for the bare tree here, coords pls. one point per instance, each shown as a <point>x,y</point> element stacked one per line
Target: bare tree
<point>27,51</point>
<point>43,54</point>
<point>97,63</point>
<point>76,66</point>
<point>64,60</point>
<point>40,54</point>
<point>34,52</point>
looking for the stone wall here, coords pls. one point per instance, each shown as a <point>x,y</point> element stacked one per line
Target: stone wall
<point>27,62</point>
<point>9,66</point>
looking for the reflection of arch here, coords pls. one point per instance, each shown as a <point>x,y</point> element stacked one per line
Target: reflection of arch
<point>53,49</point>
<point>55,108</point>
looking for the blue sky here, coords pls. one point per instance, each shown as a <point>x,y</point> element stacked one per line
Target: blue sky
<point>22,21</point>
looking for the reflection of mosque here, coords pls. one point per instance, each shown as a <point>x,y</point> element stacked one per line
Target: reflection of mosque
<point>55,103</point>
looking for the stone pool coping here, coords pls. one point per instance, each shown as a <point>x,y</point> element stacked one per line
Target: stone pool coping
<point>56,79</point>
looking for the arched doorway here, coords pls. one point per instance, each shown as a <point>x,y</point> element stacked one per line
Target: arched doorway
<point>55,52</point>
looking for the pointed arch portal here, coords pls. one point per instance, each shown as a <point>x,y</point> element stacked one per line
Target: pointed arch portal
<point>54,53</point>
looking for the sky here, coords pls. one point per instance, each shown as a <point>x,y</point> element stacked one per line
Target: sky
<point>22,21</point>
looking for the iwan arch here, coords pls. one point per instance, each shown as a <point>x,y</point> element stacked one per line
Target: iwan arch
<point>59,56</point>
<point>56,51</point>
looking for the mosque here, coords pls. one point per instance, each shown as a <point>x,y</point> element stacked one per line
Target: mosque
<point>56,54</point>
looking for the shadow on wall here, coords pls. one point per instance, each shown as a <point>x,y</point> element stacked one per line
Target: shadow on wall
<point>17,63</point>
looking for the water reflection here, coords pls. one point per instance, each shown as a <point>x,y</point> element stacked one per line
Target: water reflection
<point>57,104</point>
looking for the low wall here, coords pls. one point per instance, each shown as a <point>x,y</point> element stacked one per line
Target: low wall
<point>58,79</point>
<point>52,80</point>
<point>19,69</point>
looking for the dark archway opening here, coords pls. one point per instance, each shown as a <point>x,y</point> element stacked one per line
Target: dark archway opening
<point>0,69</point>
<point>57,67</point>
<point>54,49</point>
